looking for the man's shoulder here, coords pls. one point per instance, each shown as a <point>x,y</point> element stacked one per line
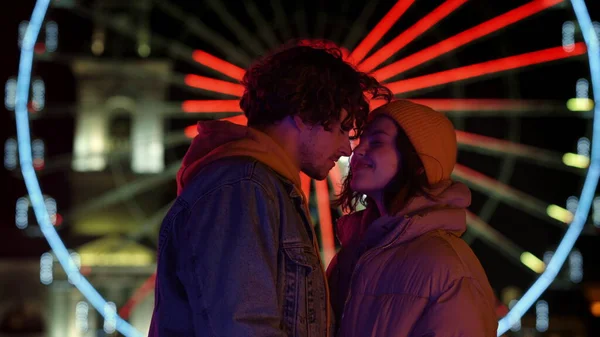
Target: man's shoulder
<point>239,167</point>
<point>234,170</point>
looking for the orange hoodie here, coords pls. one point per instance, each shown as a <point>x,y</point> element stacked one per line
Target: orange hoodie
<point>221,139</point>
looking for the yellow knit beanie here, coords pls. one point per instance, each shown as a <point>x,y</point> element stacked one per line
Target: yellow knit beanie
<point>431,134</point>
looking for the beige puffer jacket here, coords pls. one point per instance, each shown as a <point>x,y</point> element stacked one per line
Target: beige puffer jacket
<point>411,274</point>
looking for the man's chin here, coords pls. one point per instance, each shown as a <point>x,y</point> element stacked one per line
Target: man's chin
<point>317,175</point>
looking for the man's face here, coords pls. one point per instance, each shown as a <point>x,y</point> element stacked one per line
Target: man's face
<point>320,149</point>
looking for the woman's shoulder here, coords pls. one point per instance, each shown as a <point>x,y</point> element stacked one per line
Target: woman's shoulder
<point>423,267</point>
<point>440,250</point>
<point>432,255</point>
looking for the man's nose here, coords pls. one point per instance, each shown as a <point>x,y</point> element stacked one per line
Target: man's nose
<point>346,149</point>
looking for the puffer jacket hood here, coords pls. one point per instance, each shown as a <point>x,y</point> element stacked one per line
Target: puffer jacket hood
<point>447,211</point>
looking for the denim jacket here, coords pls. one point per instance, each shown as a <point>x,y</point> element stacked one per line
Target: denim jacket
<point>236,258</point>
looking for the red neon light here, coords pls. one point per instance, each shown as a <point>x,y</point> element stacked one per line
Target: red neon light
<point>484,68</point>
<point>346,55</point>
<point>325,220</point>
<point>239,119</point>
<point>215,85</point>
<point>380,29</point>
<point>485,104</point>
<point>58,220</point>
<point>144,290</point>
<point>305,185</point>
<point>191,131</point>
<point>218,64</point>
<point>32,107</point>
<point>410,34</point>
<point>39,48</point>
<point>463,38</point>
<point>208,106</point>
<point>39,164</point>
<point>376,103</point>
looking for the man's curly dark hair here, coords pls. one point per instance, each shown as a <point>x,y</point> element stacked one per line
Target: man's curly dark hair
<point>312,81</point>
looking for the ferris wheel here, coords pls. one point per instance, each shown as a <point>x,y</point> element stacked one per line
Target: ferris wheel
<point>134,118</point>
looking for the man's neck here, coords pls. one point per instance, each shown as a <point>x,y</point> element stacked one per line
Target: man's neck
<point>286,140</point>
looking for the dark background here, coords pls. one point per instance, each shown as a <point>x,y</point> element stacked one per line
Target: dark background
<point>552,81</point>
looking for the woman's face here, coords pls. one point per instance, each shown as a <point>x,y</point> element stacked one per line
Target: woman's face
<point>375,161</point>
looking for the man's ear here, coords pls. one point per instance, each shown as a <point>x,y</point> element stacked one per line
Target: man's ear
<point>298,122</point>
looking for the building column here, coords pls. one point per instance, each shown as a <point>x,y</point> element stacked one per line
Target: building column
<point>90,144</point>
<point>147,139</point>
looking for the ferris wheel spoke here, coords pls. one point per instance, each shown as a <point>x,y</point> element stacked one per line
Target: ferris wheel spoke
<point>325,224</point>
<point>239,119</point>
<point>493,107</point>
<point>413,32</point>
<point>498,241</point>
<point>359,25</point>
<point>149,227</point>
<point>500,147</point>
<point>264,28</point>
<point>450,106</point>
<point>122,193</point>
<point>485,68</point>
<point>281,19</point>
<point>213,84</point>
<point>380,29</point>
<point>305,183</point>
<point>63,162</point>
<point>300,18</point>
<point>242,33</point>
<point>219,65</point>
<point>500,107</point>
<point>202,31</point>
<point>175,48</point>
<point>210,106</point>
<point>321,22</point>
<point>464,38</point>
<point>173,78</point>
<point>511,196</point>
<point>180,81</point>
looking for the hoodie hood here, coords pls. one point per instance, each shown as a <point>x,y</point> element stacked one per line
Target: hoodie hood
<point>220,139</point>
<point>447,211</point>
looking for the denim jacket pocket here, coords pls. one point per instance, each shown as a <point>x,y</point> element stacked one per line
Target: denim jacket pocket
<point>301,270</point>
<point>302,255</point>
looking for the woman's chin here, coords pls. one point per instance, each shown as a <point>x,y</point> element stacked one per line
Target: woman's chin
<point>359,187</point>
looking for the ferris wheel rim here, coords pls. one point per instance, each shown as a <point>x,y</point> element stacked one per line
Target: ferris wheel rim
<point>592,174</point>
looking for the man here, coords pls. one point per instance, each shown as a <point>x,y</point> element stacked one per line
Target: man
<point>238,254</point>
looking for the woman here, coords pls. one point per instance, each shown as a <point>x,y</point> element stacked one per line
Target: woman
<point>403,269</point>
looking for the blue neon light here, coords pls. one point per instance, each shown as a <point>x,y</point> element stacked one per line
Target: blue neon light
<point>589,186</point>
<point>36,198</point>
<point>31,182</point>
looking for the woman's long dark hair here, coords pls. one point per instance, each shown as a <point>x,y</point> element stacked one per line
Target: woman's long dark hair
<point>409,181</point>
